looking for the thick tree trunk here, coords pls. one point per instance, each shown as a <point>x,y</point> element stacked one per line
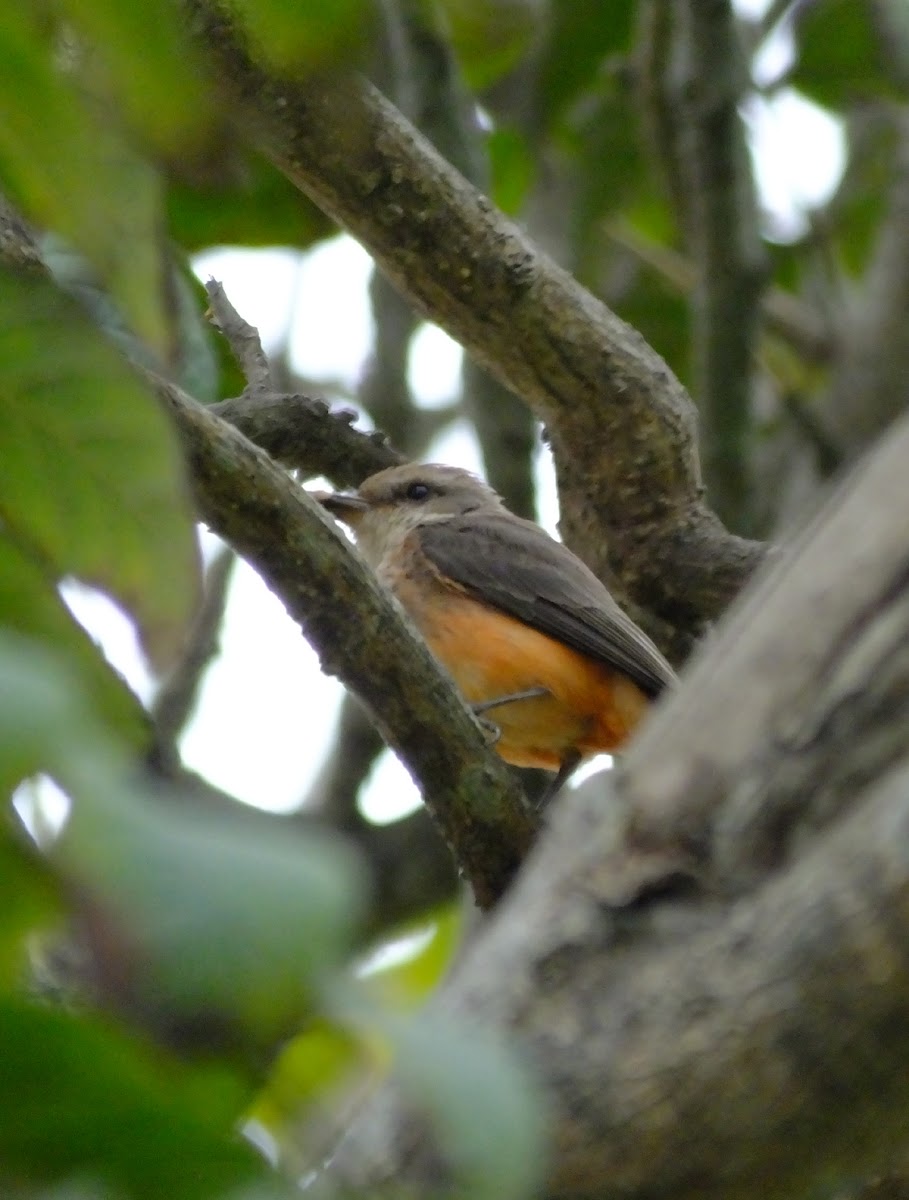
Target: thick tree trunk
<point>707,956</point>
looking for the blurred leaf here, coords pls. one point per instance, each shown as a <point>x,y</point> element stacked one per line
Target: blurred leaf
<point>28,901</point>
<point>308,1078</point>
<point>30,603</point>
<point>44,722</point>
<point>67,167</point>
<point>582,35</point>
<point>79,1100</point>
<point>151,66</point>
<point>486,1108</point>
<point>196,920</point>
<point>602,138</point>
<point>90,475</point>
<point>409,982</point>
<point>249,204</point>
<point>212,922</point>
<point>318,34</point>
<point>839,58</point>
<point>490,37</point>
<point>512,167</point>
<point>661,314</point>
<point>854,212</point>
<point>197,365</point>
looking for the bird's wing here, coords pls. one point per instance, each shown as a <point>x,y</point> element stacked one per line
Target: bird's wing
<point>516,567</point>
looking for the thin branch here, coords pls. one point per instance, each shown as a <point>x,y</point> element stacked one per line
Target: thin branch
<point>177,696</point>
<point>727,244</point>
<point>622,428</point>
<point>355,747</point>
<point>789,317</point>
<point>297,550</point>
<point>242,338</point>
<point>828,456</point>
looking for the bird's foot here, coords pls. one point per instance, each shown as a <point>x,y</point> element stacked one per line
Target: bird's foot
<point>491,732</point>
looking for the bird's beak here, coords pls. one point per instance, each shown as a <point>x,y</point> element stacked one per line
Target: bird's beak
<point>348,509</point>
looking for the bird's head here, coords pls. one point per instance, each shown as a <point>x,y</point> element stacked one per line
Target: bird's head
<point>392,502</point>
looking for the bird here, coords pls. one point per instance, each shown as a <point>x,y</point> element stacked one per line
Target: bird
<point>522,625</point>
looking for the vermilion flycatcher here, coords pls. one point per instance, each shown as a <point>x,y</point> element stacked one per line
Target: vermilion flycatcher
<point>521,624</point>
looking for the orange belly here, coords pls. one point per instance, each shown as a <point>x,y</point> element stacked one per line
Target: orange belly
<point>589,708</point>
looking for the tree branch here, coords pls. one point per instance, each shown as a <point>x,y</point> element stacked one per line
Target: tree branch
<point>176,698</point>
<point>303,434</point>
<point>298,551</point>
<point>621,427</point>
<point>727,245</point>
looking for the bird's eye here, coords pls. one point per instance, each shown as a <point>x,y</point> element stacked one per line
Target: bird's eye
<point>418,491</point>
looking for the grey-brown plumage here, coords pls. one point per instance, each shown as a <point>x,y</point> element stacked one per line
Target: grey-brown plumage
<point>510,564</point>
<point>517,567</point>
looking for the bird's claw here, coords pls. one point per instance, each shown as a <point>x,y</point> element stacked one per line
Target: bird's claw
<point>491,732</point>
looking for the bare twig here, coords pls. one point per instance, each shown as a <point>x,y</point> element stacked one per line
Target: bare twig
<point>828,455</point>
<point>176,698</point>
<point>242,338</point>
<point>507,436</point>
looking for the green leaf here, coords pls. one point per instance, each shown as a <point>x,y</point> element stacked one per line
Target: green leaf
<point>250,203</point>
<point>44,722</point>
<point>486,1107</point>
<point>604,143</point>
<point>318,34</point>
<point>30,603</point>
<point>582,35</point>
<point>512,167</point>
<point>90,473</point>
<point>208,918</point>
<point>839,59</point>
<point>407,983</point>
<point>29,900</point>
<point>66,165</point>
<point>490,37</point>
<point>80,1101</point>
<point>141,51</point>
<point>192,918</point>
<point>309,1076</point>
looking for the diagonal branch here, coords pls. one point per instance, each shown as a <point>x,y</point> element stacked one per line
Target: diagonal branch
<point>621,426</point>
<point>254,505</point>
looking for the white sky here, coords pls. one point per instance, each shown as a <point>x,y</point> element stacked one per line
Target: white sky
<point>266,714</point>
